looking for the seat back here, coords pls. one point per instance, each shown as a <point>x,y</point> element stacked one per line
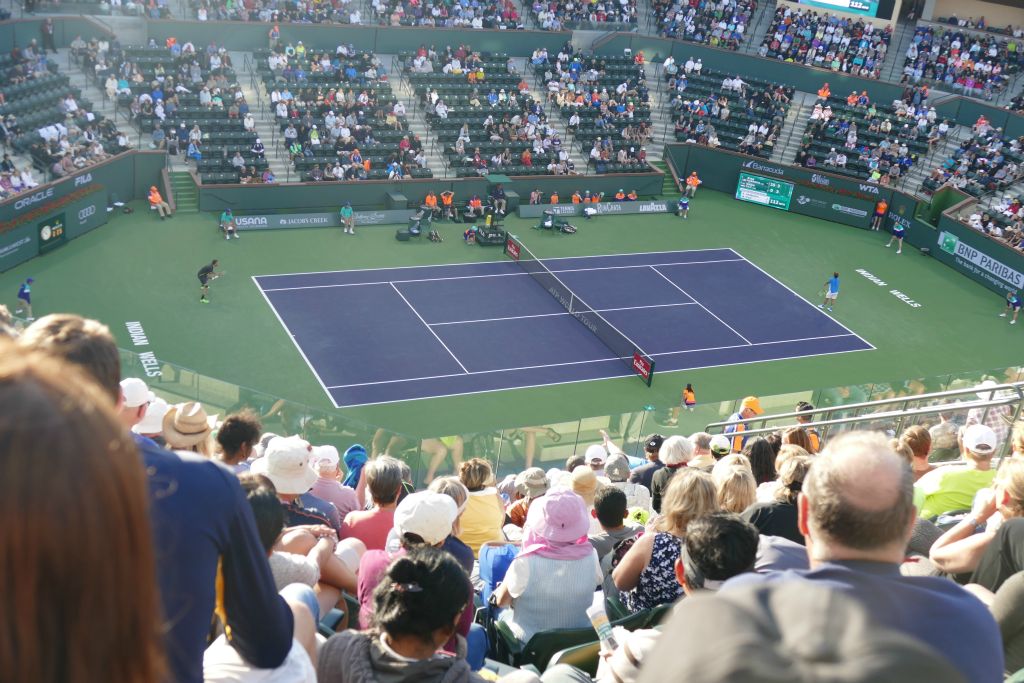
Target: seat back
<point>494,562</point>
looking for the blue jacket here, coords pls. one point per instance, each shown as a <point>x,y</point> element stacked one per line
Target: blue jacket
<point>200,517</point>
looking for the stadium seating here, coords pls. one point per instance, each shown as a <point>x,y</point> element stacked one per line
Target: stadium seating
<point>881,142</point>
<point>487,123</point>
<point>744,118</point>
<point>967,62</point>
<point>610,99</point>
<point>319,104</point>
<point>605,15</point>
<point>827,41</point>
<point>500,14</point>
<point>719,24</point>
<point>983,163</point>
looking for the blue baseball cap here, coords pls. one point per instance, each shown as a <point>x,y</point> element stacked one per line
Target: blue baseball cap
<point>29,280</point>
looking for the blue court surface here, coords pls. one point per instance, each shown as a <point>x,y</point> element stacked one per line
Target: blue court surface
<point>394,334</point>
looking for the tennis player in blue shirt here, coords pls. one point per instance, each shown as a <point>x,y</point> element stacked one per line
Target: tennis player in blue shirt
<point>831,292</point>
<point>683,206</point>
<point>1012,303</point>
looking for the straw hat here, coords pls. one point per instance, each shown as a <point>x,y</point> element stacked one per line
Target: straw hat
<point>187,424</point>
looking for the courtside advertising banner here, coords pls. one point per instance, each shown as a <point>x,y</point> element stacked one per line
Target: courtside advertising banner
<point>602,208</point>
<point>984,266</point>
<point>18,245</point>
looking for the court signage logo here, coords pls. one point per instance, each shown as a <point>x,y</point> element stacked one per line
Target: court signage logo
<point>642,367</point>
<point>512,249</point>
<point>979,263</point>
<point>818,179</point>
<point>758,166</point>
<point>849,210</point>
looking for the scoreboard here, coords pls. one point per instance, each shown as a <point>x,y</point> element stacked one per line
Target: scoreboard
<point>764,191</point>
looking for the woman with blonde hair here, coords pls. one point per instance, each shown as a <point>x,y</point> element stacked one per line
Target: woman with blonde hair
<point>457,491</point>
<point>736,489</point>
<point>484,515</point>
<point>79,587</point>
<point>961,549</point>
<point>646,574</point>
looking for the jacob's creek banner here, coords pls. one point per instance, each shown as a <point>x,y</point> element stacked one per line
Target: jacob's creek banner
<point>275,221</point>
<point>602,208</point>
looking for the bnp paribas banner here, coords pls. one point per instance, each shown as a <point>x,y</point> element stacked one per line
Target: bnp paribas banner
<point>970,255</point>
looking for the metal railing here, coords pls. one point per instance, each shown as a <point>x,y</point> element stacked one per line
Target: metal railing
<point>878,416</point>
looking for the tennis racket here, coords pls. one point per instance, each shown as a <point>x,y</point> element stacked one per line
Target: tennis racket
<point>821,293</point>
<point>214,276</point>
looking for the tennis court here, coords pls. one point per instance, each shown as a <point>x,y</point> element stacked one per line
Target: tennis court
<point>393,334</point>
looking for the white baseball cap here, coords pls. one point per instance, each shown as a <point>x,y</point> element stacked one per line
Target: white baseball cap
<point>135,392</point>
<point>153,421</point>
<point>980,439</point>
<point>427,514</point>
<point>328,454</point>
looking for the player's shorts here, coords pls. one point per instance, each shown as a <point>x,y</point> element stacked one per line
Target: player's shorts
<point>27,298</point>
<point>203,279</point>
<point>898,233</point>
<point>832,295</point>
<point>1015,306</point>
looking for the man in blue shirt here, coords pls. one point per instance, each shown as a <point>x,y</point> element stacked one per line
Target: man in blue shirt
<point>857,513</point>
<point>831,292</point>
<point>210,560</point>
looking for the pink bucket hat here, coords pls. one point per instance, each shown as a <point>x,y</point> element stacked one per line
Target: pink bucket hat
<point>560,516</point>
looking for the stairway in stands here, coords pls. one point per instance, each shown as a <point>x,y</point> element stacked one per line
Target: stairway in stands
<point>186,194</point>
<point>668,184</point>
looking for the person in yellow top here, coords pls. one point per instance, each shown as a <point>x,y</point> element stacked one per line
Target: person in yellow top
<point>430,203</point>
<point>484,514</point>
<point>554,197</point>
<point>953,488</point>
<point>620,196</point>
<point>157,202</point>
<point>812,434</point>
<point>632,196</point>
<point>576,197</point>
<point>824,92</point>
<point>692,183</point>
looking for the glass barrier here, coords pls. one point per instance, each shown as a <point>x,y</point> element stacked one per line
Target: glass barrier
<point>547,446</point>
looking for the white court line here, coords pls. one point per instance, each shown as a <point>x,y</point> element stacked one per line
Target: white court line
<point>596,360</point>
<point>809,303</point>
<point>550,315</point>
<point>473,263</point>
<point>624,375</point>
<point>655,269</point>
<point>514,274</point>
<point>296,343</point>
<point>413,309</point>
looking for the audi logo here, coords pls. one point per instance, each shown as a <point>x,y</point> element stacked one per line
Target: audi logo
<point>86,212</point>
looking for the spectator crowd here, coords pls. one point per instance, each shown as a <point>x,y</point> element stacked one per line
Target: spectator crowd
<point>827,41</point>
<point>264,536</point>
<point>719,23</point>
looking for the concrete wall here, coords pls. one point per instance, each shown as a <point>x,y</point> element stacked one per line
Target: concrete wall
<point>382,39</point>
<point>20,32</point>
<point>996,15</point>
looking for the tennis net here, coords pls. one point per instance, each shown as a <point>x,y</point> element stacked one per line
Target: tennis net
<point>635,358</point>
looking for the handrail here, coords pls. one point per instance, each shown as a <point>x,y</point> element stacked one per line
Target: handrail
<point>995,400</point>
